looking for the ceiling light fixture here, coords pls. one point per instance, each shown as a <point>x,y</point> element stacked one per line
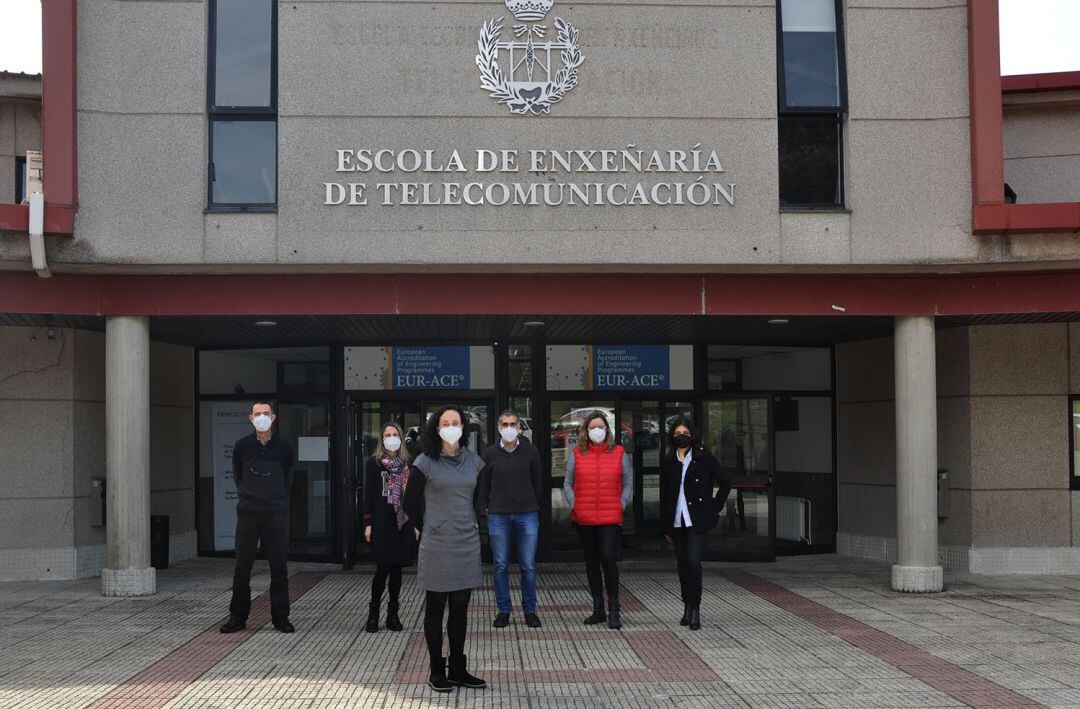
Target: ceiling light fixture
<point>533,323</point>
<point>265,323</point>
<point>779,321</point>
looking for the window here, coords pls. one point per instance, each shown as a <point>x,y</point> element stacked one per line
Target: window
<point>1074,442</point>
<point>20,180</point>
<point>242,105</point>
<point>812,103</point>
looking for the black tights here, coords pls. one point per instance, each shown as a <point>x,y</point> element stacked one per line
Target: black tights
<point>378,583</point>
<point>455,624</point>
<point>601,545</point>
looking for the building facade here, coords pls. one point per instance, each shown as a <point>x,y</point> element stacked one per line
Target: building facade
<point>827,230</point>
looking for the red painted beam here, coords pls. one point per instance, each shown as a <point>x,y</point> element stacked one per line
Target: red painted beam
<point>58,126</point>
<point>1046,218</point>
<point>1026,83</point>
<point>676,294</point>
<point>984,90</point>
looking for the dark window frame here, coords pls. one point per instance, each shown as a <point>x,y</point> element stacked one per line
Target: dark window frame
<point>20,179</point>
<point>1074,474</point>
<point>217,113</point>
<point>839,111</point>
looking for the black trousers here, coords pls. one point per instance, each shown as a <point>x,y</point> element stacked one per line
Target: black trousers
<point>378,583</point>
<point>456,624</point>
<point>273,532</point>
<point>601,545</point>
<point>689,547</point>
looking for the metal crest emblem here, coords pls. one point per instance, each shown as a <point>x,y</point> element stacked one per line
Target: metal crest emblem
<point>523,73</point>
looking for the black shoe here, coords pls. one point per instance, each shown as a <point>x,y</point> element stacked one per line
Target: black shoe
<point>695,618</point>
<point>372,625</point>
<point>437,679</point>
<point>284,626</point>
<point>613,620</point>
<point>233,625</point>
<point>598,614</point>
<point>685,615</point>
<point>532,620</point>
<point>460,676</point>
<point>501,620</point>
<point>392,620</point>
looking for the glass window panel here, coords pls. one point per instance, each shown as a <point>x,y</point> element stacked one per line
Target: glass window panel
<point>1075,424</point>
<point>244,162</point>
<point>520,367</point>
<point>242,53</point>
<point>723,373</point>
<point>736,431</point>
<point>309,506</point>
<point>811,65</point>
<point>524,407</point>
<point>810,161</point>
<point>20,180</point>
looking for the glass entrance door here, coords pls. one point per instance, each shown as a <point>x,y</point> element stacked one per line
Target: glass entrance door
<point>644,426</point>
<point>737,431</point>
<point>366,420</point>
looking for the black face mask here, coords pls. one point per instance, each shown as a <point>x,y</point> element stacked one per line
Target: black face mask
<point>683,441</point>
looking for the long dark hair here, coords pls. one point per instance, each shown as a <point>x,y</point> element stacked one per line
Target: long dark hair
<point>430,442</point>
<point>681,421</point>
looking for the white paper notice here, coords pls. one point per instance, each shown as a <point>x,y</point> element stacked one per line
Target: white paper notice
<point>313,448</point>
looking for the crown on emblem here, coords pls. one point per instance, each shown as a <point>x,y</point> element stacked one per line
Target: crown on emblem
<point>529,10</point>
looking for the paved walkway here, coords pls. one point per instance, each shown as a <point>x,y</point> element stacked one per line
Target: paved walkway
<point>803,632</point>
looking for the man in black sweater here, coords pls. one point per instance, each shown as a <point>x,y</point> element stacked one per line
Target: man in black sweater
<point>511,489</point>
<point>262,468</point>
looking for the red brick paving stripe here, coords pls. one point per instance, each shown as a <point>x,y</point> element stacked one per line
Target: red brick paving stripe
<point>942,675</point>
<point>164,680</point>
<point>666,659</point>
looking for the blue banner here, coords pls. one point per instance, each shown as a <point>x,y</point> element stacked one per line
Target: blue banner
<point>631,366</point>
<point>429,367</point>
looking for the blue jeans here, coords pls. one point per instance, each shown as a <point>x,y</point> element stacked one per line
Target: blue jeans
<point>501,529</point>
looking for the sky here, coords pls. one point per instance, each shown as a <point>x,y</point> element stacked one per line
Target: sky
<point>1037,36</point>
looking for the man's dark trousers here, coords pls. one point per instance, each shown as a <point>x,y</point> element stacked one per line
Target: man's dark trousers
<point>273,531</point>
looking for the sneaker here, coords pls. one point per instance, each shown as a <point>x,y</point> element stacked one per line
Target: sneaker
<point>233,625</point>
<point>284,626</point>
<point>501,620</point>
<point>532,620</point>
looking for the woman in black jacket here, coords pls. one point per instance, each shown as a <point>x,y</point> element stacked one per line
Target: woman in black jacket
<point>689,509</point>
<point>386,525</point>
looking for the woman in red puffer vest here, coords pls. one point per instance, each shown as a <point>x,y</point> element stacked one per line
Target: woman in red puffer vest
<point>598,486</point>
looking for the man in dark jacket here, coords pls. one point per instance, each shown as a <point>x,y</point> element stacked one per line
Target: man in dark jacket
<point>511,489</point>
<point>262,468</point>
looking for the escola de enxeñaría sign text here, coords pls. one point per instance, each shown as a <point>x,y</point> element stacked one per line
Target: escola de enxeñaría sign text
<point>628,176</point>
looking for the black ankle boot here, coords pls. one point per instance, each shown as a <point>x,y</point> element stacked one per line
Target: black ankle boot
<point>372,617</point>
<point>392,620</point>
<point>460,676</point>
<point>437,679</point>
<point>613,620</point>
<point>695,618</point>
<point>685,615</point>
<point>598,615</point>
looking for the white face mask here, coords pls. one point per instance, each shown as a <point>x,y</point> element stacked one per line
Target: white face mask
<point>262,423</point>
<point>509,434</point>
<point>391,443</point>
<point>597,435</point>
<point>450,434</point>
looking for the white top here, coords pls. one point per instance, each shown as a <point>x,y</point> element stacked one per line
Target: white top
<point>682,512</point>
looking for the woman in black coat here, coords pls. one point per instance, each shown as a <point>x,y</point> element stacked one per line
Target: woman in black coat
<point>689,509</point>
<point>386,525</point>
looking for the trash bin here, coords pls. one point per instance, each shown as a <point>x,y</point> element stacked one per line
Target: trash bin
<point>159,541</point>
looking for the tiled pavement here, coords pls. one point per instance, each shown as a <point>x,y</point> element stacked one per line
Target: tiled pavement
<point>803,632</point>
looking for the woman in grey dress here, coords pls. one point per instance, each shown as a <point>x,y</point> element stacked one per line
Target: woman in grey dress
<point>441,502</point>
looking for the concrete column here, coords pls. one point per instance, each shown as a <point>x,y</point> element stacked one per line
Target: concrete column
<point>127,569</point>
<point>916,568</point>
